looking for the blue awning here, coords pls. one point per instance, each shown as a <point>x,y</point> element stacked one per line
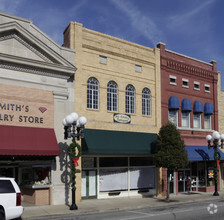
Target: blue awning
<point>201,153</point>
<point>186,105</point>
<point>198,107</point>
<point>173,102</point>
<point>208,108</point>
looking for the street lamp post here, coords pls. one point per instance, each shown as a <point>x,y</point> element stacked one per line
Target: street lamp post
<point>74,128</point>
<point>215,136</point>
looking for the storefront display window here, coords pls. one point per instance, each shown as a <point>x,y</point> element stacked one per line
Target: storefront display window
<point>36,176</point>
<point>201,174</point>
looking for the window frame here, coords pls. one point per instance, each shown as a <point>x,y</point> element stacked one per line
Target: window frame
<point>197,86</point>
<point>112,96</point>
<point>102,59</point>
<point>188,118</point>
<point>176,116</point>
<point>130,99</point>
<point>196,114</point>
<point>146,102</point>
<point>210,122</point>
<point>207,86</point>
<point>138,68</point>
<point>93,94</point>
<point>185,81</point>
<point>173,78</point>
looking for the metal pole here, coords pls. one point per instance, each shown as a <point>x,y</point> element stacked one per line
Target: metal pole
<point>73,172</point>
<point>216,169</point>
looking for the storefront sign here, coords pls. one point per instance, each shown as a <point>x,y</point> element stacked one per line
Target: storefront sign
<point>122,118</point>
<point>20,106</point>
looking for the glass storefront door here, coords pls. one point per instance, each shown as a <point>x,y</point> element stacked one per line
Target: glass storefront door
<point>184,180</point>
<point>89,184</point>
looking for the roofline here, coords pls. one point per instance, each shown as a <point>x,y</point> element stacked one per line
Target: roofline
<point>16,17</point>
<point>189,57</point>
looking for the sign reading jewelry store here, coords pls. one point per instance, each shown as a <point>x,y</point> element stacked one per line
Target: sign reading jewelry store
<point>21,106</point>
<point>122,118</point>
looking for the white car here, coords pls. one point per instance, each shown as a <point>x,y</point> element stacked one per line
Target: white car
<point>10,199</point>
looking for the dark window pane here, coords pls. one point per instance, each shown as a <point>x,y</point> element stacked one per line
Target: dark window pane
<point>141,161</point>
<point>113,161</point>
<point>6,186</point>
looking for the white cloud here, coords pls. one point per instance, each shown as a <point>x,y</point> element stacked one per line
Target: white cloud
<point>141,23</point>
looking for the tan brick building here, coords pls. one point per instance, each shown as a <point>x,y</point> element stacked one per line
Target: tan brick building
<point>117,88</point>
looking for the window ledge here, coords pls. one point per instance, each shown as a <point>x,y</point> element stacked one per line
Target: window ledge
<point>174,84</point>
<point>194,129</point>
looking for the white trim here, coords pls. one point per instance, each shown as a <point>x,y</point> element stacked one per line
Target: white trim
<point>172,77</point>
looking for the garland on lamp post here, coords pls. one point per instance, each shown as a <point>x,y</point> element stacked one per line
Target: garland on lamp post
<point>74,152</point>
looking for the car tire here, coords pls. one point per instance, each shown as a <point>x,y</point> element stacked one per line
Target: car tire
<point>2,214</point>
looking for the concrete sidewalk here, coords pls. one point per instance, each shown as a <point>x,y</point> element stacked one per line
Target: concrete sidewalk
<point>115,204</point>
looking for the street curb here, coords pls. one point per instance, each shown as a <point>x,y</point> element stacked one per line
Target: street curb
<point>96,211</point>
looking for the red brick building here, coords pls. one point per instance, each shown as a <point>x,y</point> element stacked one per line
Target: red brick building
<point>189,100</point>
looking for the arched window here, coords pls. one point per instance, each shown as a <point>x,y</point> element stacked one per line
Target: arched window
<point>146,102</point>
<point>92,93</point>
<point>112,96</point>
<point>130,99</point>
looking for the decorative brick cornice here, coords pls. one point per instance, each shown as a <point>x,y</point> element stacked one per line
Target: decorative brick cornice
<point>189,69</point>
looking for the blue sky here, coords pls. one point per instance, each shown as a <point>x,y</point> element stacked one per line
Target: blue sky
<point>190,27</point>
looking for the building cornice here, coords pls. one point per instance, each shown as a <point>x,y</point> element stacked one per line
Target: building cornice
<point>187,68</point>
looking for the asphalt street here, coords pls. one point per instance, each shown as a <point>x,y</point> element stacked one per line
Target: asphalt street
<point>213,209</point>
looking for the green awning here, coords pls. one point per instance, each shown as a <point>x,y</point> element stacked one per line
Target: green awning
<point>117,142</point>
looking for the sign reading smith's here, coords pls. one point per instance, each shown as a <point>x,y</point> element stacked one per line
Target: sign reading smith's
<point>122,118</point>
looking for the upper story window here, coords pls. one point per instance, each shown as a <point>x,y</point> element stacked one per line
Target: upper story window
<point>196,85</point>
<point>173,80</point>
<point>197,110</point>
<point>208,111</point>
<point>186,108</point>
<point>173,116</point>
<point>185,119</point>
<point>103,59</point>
<point>185,83</point>
<point>112,96</point>
<point>92,93</point>
<point>130,99</point>
<point>207,88</point>
<point>173,105</point>
<point>146,102</point>
<point>138,68</point>
<point>197,120</point>
<point>207,122</point>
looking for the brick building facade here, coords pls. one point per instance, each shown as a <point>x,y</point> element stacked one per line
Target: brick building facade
<point>190,100</point>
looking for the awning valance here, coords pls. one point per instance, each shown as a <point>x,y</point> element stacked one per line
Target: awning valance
<point>198,107</point>
<point>28,141</point>
<point>208,108</point>
<point>201,153</point>
<point>118,142</point>
<point>186,105</point>
<point>173,103</point>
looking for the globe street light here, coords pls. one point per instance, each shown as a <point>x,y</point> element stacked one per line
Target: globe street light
<point>215,137</point>
<point>74,128</point>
